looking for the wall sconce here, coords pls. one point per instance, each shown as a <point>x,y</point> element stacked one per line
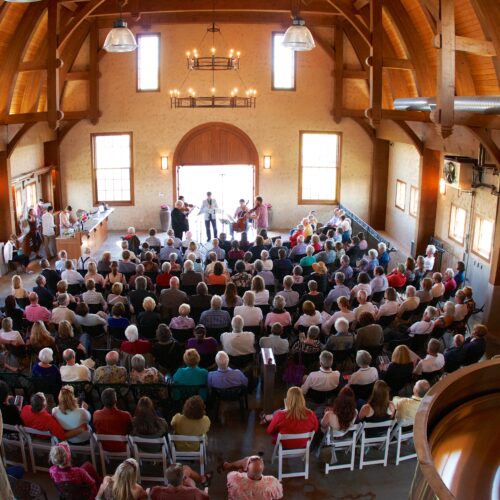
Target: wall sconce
<point>267,162</point>
<point>442,186</point>
<point>164,162</point>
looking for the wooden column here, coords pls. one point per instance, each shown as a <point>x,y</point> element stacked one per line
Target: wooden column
<point>6,224</point>
<point>94,73</point>
<point>51,158</point>
<point>445,114</point>
<point>380,176</point>
<point>376,61</point>
<point>338,96</point>
<point>53,63</point>
<point>427,204</point>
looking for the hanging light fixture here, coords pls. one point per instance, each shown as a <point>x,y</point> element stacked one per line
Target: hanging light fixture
<point>298,37</point>
<point>120,38</point>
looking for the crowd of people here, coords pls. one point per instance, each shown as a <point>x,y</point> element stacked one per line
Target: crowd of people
<point>353,341</point>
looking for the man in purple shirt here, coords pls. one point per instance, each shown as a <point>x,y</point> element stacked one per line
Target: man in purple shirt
<point>202,343</point>
<point>225,377</point>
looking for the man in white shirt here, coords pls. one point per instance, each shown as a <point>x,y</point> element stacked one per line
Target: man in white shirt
<point>379,283</point>
<point>73,371</point>
<point>70,275</point>
<point>461,309</point>
<point>434,360</point>
<point>238,342</point>
<point>8,336</point>
<point>437,289</point>
<point>325,379</point>
<point>364,306</point>
<point>426,325</point>
<point>62,312</point>
<point>274,341</point>
<point>366,374</point>
<point>49,233</point>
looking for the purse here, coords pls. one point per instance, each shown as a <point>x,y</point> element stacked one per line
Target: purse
<point>294,372</point>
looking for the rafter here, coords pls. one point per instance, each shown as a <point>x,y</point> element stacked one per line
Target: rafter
<point>484,137</point>
<point>53,94</point>
<point>338,77</point>
<point>417,142</point>
<point>365,125</point>
<point>376,61</point>
<point>17,137</point>
<point>347,11</point>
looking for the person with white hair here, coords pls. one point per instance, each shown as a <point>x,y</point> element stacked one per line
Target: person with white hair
<point>252,316</point>
<point>450,285</point>
<point>171,298</point>
<point>429,258</point>
<point>411,301</point>
<point>364,305</point>
<point>406,408</point>
<point>45,369</point>
<point>434,360</point>
<point>133,344</point>
<point>383,255</point>
<point>299,249</point>
<point>177,241</point>
<point>343,339</point>
<point>215,317</point>
<point>267,263</point>
<point>179,219</point>
<point>237,342</point>
<point>291,297</point>
<point>8,336</point>
<point>325,379</point>
<point>73,371</point>
<point>225,377</point>
<point>366,374</point>
<point>139,374</point>
<point>183,321</point>
<point>190,277</point>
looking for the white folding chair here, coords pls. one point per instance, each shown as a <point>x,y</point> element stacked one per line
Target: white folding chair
<point>106,455</point>
<point>162,455</point>
<point>403,433</point>
<point>381,440</point>
<point>37,440</point>
<point>283,453</point>
<point>179,455</point>
<point>85,449</point>
<point>343,441</point>
<point>13,438</point>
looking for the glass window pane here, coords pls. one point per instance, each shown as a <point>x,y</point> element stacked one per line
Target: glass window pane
<point>283,64</point>
<point>148,62</point>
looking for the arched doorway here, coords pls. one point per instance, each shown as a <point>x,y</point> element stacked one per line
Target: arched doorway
<point>215,143</point>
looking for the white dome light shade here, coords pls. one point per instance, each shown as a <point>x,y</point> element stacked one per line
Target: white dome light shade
<point>298,37</point>
<point>120,38</point>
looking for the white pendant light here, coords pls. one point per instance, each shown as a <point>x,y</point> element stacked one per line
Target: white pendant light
<point>120,38</point>
<point>298,37</point>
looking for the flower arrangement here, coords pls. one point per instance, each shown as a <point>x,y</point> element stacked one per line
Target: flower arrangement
<point>84,217</point>
<point>268,205</point>
<point>164,206</point>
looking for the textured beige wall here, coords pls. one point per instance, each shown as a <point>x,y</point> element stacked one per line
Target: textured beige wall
<point>273,126</point>
<point>404,164</point>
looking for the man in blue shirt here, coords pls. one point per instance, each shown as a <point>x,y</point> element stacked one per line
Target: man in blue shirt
<point>339,290</point>
<point>225,377</point>
<point>215,317</point>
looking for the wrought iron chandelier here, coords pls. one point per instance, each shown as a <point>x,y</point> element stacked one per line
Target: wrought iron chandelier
<point>212,61</point>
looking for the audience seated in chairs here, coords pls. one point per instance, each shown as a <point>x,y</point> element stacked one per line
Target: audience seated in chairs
<point>238,342</point>
<point>231,299</point>
<point>366,374</point>
<point>309,317</point>
<point>433,362</point>
<point>73,371</point>
<point>171,298</point>
<point>147,424</point>
<point>205,346</point>
<point>339,290</point>
<point>225,377</point>
<point>454,355</point>
<point>111,421</point>
<point>369,334</point>
<point>363,284</point>
<point>123,483</point>
<point>92,274</point>
<point>279,346</point>
<point>36,416</point>
<point>166,351</point>
<point>390,306</point>
<point>425,293</point>
<point>379,407</point>
<point>10,412</point>
<point>260,291</point>
<point>181,484</point>
<point>137,296</point>
<point>343,312</point>
<point>191,374</point>
<point>310,343</point>
<point>46,370</point>
<point>191,422</point>
<point>475,345</point>
<point>114,276</point>
<point>71,415</point>
<point>183,321</point>
<point>45,296</point>
<point>104,264</point>
<point>148,320</point>
<point>82,480</point>
<point>379,283</point>
<point>313,295</point>
<point>406,408</point>
<point>133,344</point>
<point>139,273</point>
<point>190,277</point>
<point>215,317</point>
<point>111,373</point>
<point>246,479</point>
<point>36,312</point>
<point>291,297</point>
<point>241,278</point>
<point>278,313</point>
<point>363,305</point>
<point>40,337</point>
<point>325,380</point>
<point>8,336</point>
<point>342,414</point>
<point>410,304</point>
<point>139,374</point>
<point>62,312</point>
<point>399,371</point>
<point>71,276</point>
<point>342,339</point>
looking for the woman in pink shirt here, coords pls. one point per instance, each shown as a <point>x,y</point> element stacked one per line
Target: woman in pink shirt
<point>278,314</point>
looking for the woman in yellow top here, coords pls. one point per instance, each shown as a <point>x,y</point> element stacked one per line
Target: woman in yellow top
<point>308,229</point>
<point>192,422</point>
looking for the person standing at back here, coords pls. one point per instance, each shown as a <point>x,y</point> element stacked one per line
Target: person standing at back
<point>208,209</point>
<point>49,232</point>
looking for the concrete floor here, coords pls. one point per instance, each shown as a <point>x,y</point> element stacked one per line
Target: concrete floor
<point>236,439</point>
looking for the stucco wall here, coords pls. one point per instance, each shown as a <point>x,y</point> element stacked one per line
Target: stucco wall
<point>273,126</point>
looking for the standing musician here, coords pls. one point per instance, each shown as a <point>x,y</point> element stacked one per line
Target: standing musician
<point>259,214</point>
<point>187,209</point>
<point>179,218</point>
<point>240,223</point>
<point>208,209</point>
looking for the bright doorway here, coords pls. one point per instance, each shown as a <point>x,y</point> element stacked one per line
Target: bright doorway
<point>228,184</point>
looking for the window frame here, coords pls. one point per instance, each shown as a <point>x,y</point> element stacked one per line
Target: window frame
<point>399,207</point>
<point>452,236</point>
<point>413,189</point>
<point>279,89</point>
<point>336,200</point>
<point>138,36</point>
<point>95,201</point>
<point>480,218</point>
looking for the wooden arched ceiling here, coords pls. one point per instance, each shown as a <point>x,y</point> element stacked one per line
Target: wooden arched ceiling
<point>31,54</point>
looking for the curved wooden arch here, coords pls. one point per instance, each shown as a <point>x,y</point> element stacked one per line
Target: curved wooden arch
<point>215,143</point>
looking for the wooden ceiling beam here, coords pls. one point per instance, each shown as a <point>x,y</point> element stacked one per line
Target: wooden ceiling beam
<point>345,8</point>
<point>80,16</point>
<point>53,93</point>
<point>415,139</point>
<point>77,75</point>
<point>484,137</point>
<point>338,77</point>
<point>376,61</point>
<point>397,63</point>
<point>473,46</point>
<point>94,73</point>
<point>15,140</point>
<point>356,74</point>
<point>365,125</point>
<point>17,48</point>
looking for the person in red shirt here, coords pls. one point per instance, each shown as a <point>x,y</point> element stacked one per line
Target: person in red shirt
<point>163,279</point>
<point>37,417</point>
<point>133,344</point>
<point>299,232</point>
<point>294,419</point>
<point>111,420</point>
<point>397,279</point>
